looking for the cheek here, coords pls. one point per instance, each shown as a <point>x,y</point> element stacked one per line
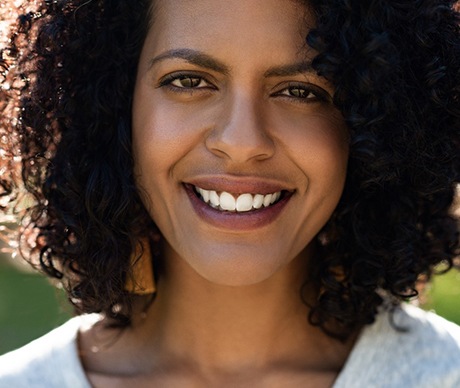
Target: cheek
<point>328,151</point>
<point>153,140</point>
<point>156,135</point>
<point>165,131</point>
<point>320,150</point>
<point>318,146</point>
<point>317,143</point>
<point>327,155</point>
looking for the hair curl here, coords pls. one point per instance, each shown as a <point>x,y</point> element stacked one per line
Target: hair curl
<point>68,80</point>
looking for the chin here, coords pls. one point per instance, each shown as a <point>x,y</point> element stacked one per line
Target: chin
<point>244,271</point>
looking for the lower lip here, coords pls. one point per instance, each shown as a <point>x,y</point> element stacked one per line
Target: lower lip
<point>236,221</point>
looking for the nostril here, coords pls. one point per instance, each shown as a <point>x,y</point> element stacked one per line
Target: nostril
<point>240,139</point>
<point>240,151</point>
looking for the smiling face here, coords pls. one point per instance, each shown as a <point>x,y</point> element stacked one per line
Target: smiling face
<point>240,155</point>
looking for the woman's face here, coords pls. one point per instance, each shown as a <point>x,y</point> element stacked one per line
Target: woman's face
<point>239,153</point>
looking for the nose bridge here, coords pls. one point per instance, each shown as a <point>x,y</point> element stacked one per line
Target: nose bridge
<point>240,132</point>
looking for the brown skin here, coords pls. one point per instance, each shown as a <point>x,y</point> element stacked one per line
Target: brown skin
<point>228,311</point>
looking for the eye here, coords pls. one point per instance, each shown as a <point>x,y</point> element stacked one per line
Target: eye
<point>189,82</point>
<point>304,93</point>
<point>298,92</point>
<point>185,82</point>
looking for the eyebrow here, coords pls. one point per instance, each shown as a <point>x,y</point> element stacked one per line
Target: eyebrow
<point>204,60</point>
<point>192,56</point>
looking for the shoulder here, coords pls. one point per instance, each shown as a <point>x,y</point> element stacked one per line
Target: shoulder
<point>50,361</point>
<point>410,348</point>
<point>420,330</point>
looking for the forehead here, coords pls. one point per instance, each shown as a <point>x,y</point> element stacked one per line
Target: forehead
<point>241,25</point>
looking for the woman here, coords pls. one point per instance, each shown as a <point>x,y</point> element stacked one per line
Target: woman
<point>290,166</point>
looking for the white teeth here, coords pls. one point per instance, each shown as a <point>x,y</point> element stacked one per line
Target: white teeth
<point>268,200</point>
<point>258,201</point>
<point>213,198</point>
<point>244,203</point>
<point>205,194</point>
<point>227,202</point>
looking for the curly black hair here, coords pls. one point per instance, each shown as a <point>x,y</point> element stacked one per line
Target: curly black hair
<point>68,74</point>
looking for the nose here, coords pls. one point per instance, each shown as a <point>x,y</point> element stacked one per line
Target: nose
<point>240,132</point>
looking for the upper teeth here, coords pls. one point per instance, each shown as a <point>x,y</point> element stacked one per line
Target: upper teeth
<point>243,203</point>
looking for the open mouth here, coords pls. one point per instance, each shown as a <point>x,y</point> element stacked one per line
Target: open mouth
<point>238,203</point>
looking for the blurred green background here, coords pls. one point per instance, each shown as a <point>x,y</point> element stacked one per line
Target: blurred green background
<point>30,306</point>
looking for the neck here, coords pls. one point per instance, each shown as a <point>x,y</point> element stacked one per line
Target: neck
<point>235,328</point>
<point>200,330</point>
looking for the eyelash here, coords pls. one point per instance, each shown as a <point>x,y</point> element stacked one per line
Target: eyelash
<point>319,94</point>
<point>168,80</point>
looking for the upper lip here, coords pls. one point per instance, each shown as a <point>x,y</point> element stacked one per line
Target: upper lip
<point>240,184</point>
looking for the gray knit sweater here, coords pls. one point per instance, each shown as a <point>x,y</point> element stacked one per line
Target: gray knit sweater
<point>427,354</point>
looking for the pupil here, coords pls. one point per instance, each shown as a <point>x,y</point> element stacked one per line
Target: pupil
<point>297,92</point>
<point>188,82</point>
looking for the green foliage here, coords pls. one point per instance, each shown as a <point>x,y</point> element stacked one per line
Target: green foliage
<point>444,296</point>
<point>29,307</point>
